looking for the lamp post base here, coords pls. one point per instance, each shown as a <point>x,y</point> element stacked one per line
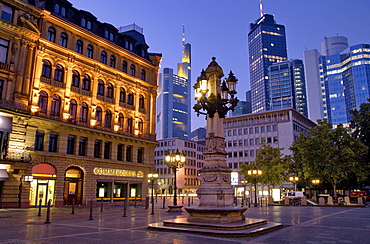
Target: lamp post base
<point>174,209</point>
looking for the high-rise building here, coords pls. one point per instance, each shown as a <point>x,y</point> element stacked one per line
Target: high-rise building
<point>77,99</point>
<point>173,102</point>
<point>267,45</point>
<point>287,86</point>
<point>343,76</point>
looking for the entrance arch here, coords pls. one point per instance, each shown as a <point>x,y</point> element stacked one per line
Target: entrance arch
<point>73,185</point>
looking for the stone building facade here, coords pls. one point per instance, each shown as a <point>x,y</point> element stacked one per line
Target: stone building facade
<point>77,107</point>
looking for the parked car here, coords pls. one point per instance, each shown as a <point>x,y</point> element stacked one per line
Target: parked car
<point>293,194</point>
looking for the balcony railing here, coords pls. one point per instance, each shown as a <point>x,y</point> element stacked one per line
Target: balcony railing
<point>4,66</point>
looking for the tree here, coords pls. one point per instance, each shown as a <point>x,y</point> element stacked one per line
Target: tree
<point>272,162</point>
<point>332,155</point>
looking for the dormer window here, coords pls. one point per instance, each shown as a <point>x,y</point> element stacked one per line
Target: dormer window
<point>106,34</point>
<point>56,8</point>
<point>83,22</point>
<point>129,46</point>
<point>63,11</point>
<point>88,26</point>
<point>111,37</point>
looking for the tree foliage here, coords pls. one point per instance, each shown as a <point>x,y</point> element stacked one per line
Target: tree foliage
<point>331,155</point>
<point>272,162</point>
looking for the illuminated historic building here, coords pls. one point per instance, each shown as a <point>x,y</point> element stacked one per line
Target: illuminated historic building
<point>77,106</point>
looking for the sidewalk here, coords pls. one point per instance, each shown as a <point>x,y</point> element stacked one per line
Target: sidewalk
<point>301,224</point>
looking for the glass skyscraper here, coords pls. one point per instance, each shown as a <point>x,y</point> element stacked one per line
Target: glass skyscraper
<point>267,45</point>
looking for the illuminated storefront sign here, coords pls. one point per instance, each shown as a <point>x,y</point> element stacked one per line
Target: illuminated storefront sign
<point>118,172</point>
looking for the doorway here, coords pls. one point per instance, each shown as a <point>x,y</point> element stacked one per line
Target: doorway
<point>73,185</point>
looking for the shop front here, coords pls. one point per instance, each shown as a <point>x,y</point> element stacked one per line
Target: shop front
<point>42,187</point>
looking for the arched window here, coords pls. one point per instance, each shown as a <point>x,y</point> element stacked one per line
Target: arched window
<point>89,25</point>
<point>63,39</point>
<point>75,78</point>
<point>86,83</point>
<point>43,102</point>
<point>106,34</point>
<point>109,90</point>
<point>129,124</point>
<point>130,98</point>
<point>56,8</point>
<point>83,22</point>
<point>51,34</point>
<point>108,119</point>
<point>124,66</point>
<point>103,57</point>
<point>132,70</point>
<point>141,101</point>
<point>140,126</point>
<point>112,61</point>
<point>58,73</point>
<point>111,36</point>
<point>84,112</point>
<point>63,11</point>
<point>79,46</point>
<point>122,95</point>
<point>90,51</point>
<point>55,105</point>
<point>99,115</point>
<point>121,120</point>
<point>142,75</point>
<point>100,87</point>
<point>73,110</point>
<point>46,69</point>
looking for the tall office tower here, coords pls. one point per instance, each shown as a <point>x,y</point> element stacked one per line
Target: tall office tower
<point>267,45</point>
<point>173,101</point>
<point>287,86</point>
<point>343,76</point>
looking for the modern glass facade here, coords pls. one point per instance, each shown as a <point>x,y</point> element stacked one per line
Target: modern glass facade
<point>267,45</point>
<point>287,86</point>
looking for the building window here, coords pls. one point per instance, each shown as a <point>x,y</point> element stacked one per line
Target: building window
<point>75,78</point>
<point>88,25</point>
<point>63,11</point>
<point>83,22</point>
<point>58,73</point>
<point>141,101</point>
<point>106,34</point>
<point>132,70</point>
<point>79,46</point>
<point>128,153</point>
<point>103,57</point>
<point>53,141</point>
<point>56,8</point>
<point>4,46</point>
<point>51,34</point>
<point>257,130</point>
<point>108,119</point>
<point>140,155</point>
<point>89,51</point>
<point>71,144</point>
<point>112,61</point>
<point>107,150</point>
<point>43,102</point>
<point>39,141</point>
<point>84,112</point>
<point>129,124</point>
<point>274,127</point>
<point>100,87</point>
<point>46,69</point>
<point>111,36</point>
<point>99,116</point>
<point>63,39</point>
<point>73,110</point>
<point>142,75</point>
<point>97,148</point>
<point>82,146</point>
<point>7,13</point>
<point>250,130</point>
<point>262,129</point>
<point>122,95</point>
<point>55,106</point>
<point>130,98</point>
<point>120,152</point>
<point>120,121</point>
<point>140,126</point>
<point>86,83</point>
<point>268,128</point>
<point>245,131</point>
<point>109,90</point>
<point>124,66</point>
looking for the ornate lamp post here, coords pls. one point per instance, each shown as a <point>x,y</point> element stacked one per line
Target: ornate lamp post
<point>315,183</point>
<point>244,183</point>
<point>174,161</point>
<point>255,173</point>
<point>152,177</point>
<point>294,179</point>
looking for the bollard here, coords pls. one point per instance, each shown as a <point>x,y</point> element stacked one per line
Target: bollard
<point>91,210</point>
<point>135,202</point>
<point>192,200</point>
<point>39,214</point>
<point>101,205</point>
<point>242,203</point>
<point>156,196</point>
<point>182,200</point>
<point>48,213</point>
<point>146,202</point>
<point>73,206</point>
<point>164,203</point>
<point>188,201</point>
<point>124,208</point>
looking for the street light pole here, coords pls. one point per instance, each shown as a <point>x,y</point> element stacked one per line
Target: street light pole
<point>294,179</point>
<point>174,161</point>
<point>255,173</point>
<point>152,177</point>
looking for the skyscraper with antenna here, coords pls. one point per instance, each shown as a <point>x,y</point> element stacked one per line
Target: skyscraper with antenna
<point>174,95</point>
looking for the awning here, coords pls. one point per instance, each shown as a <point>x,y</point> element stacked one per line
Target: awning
<point>3,175</point>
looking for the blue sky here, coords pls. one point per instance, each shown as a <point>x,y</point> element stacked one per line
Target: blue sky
<point>220,28</point>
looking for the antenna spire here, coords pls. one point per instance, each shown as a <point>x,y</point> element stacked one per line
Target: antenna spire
<point>261,12</point>
<point>183,39</point>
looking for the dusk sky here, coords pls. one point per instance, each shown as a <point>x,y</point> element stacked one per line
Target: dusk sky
<point>220,28</point>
